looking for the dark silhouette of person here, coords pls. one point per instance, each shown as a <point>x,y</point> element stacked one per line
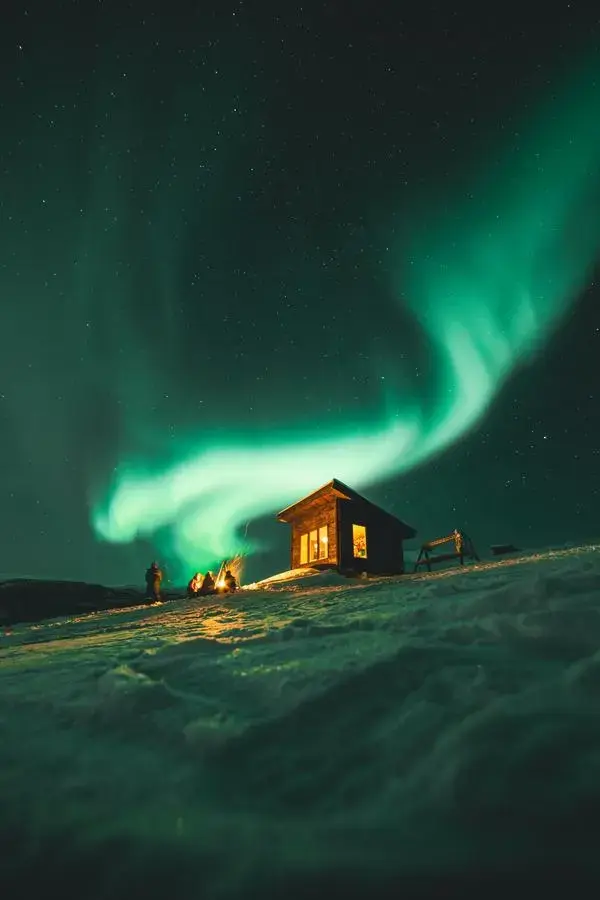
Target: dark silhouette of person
<point>208,584</point>
<point>230,582</point>
<point>153,581</point>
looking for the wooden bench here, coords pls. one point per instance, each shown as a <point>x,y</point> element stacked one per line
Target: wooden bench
<point>463,549</point>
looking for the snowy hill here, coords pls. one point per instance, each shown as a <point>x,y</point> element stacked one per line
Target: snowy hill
<point>431,733</point>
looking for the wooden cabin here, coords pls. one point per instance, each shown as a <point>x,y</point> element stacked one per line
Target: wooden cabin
<point>335,527</point>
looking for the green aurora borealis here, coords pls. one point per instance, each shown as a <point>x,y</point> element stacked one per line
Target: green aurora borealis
<point>244,252</point>
<point>487,278</point>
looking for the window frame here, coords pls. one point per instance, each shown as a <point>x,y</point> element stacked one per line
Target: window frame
<point>304,556</point>
<point>357,525</point>
<point>322,542</point>
<point>306,536</point>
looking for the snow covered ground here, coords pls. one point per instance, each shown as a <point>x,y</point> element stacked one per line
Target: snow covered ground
<point>408,736</point>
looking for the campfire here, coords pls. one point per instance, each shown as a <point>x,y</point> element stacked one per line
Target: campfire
<point>234,566</point>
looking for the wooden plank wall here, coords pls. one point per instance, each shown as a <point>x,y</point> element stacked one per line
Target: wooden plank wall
<point>385,552</point>
<point>322,511</point>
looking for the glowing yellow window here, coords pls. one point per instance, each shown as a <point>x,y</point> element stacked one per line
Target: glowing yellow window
<point>323,542</point>
<point>313,541</point>
<point>303,549</point>
<point>359,541</point>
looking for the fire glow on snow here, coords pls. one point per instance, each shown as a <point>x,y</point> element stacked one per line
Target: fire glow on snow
<point>488,282</point>
<point>431,726</point>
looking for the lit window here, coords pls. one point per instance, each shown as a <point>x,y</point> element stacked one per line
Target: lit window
<point>303,549</point>
<point>359,541</point>
<point>323,542</point>
<point>313,542</point>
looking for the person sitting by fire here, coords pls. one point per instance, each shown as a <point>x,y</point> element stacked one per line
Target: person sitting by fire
<point>229,583</point>
<point>208,585</point>
<point>194,585</point>
<point>153,581</point>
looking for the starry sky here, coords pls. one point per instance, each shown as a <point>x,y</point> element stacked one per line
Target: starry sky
<point>245,248</point>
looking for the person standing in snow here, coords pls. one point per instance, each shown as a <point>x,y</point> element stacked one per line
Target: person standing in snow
<point>153,581</point>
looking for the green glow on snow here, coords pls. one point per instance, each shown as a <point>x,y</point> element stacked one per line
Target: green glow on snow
<point>487,282</point>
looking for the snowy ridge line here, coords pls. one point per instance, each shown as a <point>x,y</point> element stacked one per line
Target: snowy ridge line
<point>331,587</point>
<point>405,726</point>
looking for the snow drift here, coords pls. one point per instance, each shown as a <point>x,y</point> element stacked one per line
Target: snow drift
<point>402,736</point>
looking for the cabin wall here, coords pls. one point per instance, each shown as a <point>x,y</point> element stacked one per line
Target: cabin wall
<point>315,515</point>
<point>385,554</point>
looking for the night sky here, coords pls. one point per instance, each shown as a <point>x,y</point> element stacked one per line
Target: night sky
<point>245,248</point>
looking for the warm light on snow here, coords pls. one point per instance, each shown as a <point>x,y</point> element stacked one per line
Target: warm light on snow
<point>288,575</point>
<point>457,710</point>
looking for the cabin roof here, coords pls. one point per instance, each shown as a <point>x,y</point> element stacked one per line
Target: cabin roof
<point>337,488</point>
